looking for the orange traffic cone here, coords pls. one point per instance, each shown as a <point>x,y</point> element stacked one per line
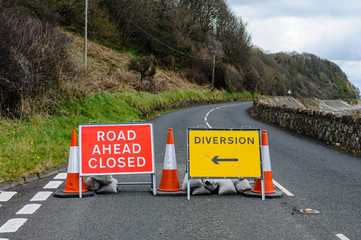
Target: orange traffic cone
<point>267,171</point>
<point>72,178</point>
<point>169,181</point>
<point>269,190</point>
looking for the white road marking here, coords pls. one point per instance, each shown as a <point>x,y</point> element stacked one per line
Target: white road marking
<point>12,225</point>
<point>279,186</point>
<point>206,118</point>
<point>341,236</point>
<point>29,209</point>
<point>6,196</point>
<point>61,176</point>
<point>41,196</point>
<point>53,185</point>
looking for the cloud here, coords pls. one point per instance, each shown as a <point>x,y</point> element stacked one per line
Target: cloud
<point>328,28</point>
<point>305,8</point>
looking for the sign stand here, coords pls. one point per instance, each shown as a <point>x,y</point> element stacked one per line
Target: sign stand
<point>116,149</point>
<point>224,154</point>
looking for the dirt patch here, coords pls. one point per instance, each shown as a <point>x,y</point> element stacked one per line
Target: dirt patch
<point>107,71</point>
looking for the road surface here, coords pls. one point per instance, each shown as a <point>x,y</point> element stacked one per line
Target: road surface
<point>312,174</point>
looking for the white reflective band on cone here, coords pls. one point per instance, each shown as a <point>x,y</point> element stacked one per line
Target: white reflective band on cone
<point>266,162</point>
<point>73,163</point>
<point>169,158</point>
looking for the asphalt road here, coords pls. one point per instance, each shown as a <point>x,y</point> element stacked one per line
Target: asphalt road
<point>318,176</point>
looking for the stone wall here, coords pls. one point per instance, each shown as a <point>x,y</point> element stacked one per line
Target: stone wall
<point>331,128</point>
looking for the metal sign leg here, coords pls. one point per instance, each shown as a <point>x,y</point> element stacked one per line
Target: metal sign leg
<point>262,186</point>
<point>154,184</point>
<point>80,183</point>
<point>188,190</point>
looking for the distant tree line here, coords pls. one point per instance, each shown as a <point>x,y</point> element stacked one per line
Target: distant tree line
<point>306,75</point>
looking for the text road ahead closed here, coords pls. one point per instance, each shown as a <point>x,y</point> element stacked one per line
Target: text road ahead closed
<point>107,149</point>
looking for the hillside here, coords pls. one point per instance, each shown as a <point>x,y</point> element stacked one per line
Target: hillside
<point>38,138</point>
<point>107,71</point>
<point>306,75</point>
<point>182,38</point>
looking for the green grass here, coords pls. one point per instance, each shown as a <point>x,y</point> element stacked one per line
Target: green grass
<point>42,141</point>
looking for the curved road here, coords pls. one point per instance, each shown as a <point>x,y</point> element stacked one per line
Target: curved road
<point>317,176</point>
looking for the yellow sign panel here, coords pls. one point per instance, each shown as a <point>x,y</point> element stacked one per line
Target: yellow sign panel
<point>224,153</point>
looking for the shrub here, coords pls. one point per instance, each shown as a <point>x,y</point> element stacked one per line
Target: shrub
<point>144,66</point>
<point>33,59</point>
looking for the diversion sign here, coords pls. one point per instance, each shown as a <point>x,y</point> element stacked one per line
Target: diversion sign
<point>116,149</point>
<point>226,153</point>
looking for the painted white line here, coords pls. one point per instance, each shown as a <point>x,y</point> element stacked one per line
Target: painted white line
<point>206,118</point>
<point>53,185</point>
<point>341,236</point>
<point>279,186</point>
<point>41,196</point>
<point>61,176</point>
<point>29,209</point>
<point>5,196</point>
<point>12,225</point>
<point>209,112</point>
<point>4,239</point>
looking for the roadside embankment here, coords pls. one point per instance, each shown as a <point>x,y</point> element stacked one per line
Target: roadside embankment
<point>344,130</point>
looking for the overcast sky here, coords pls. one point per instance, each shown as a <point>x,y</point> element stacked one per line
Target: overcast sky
<point>330,29</point>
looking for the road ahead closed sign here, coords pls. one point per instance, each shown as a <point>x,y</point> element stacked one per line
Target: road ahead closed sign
<point>116,149</point>
<point>224,153</point>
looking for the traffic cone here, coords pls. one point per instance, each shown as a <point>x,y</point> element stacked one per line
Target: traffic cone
<point>269,190</point>
<point>169,181</point>
<point>267,171</point>
<point>72,178</point>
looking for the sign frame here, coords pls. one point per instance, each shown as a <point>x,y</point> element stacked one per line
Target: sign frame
<point>152,172</point>
<point>188,168</point>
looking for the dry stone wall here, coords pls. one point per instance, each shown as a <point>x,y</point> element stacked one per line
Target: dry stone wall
<point>344,130</point>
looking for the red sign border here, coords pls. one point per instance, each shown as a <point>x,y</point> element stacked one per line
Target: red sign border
<point>114,124</point>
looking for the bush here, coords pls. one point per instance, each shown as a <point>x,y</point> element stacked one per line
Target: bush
<point>34,57</point>
<point>144,66</point>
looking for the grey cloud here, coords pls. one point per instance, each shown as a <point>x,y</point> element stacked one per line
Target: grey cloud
<point>304,8</point>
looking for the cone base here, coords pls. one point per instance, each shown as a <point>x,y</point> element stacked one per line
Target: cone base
<point>268,184</point>
<point>62,194</point>
<point>167,193</point>
<point>277,194</point>
<point>72,183</point>
<point>169,190</point>
<point>169,181</point>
